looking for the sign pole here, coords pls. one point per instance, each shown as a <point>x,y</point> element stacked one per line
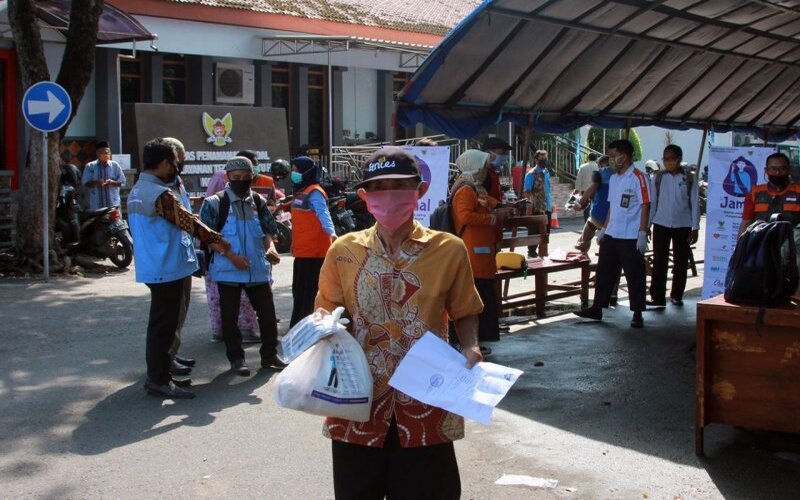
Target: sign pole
<point>45,210</point>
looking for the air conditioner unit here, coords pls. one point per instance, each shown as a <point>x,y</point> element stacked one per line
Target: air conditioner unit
<point>234,83</point>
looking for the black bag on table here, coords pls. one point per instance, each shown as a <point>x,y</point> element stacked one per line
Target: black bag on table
<point>763,269</point>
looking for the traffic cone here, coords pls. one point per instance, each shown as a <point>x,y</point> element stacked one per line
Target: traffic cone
<point>554,219</point>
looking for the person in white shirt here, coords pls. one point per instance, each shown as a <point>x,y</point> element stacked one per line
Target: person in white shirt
<point>583,180</point>
<point>623,239</point>
<point>675,217</point>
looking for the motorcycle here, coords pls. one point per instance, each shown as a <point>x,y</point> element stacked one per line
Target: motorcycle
<point>283,219</point>
<point>343,221</point>
<point>100,233</point>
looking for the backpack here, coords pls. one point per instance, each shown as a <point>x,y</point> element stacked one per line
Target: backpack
<point>441,218</point>
<point>206,253</point>
<point>763,269</point>
<point>687,174</point>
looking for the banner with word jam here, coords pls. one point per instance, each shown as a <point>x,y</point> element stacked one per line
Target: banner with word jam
<point>434,164</point>
<point>732,172</point>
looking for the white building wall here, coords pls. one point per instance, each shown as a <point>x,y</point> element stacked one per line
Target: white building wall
<point>654,139</point>
<point>360,101</point>
<point>83,125</point>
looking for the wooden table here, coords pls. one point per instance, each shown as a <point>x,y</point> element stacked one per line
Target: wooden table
<point>747,375</point>
<point>538,271</point>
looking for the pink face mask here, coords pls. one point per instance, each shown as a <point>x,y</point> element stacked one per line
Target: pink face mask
<point>391,208</point>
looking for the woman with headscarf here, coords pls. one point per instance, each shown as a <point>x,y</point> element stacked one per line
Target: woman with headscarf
<point>312,235</point>
<point>476,220</point>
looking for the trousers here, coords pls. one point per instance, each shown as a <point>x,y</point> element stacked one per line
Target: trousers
<point>184,310</point>
<point>165,311</point>
<point>305,283</point>
<point>616,254</point>
<point>662,236</point>
<point>260,297</point>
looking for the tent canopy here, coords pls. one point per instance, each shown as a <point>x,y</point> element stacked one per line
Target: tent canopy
<point>115,26</point>
<point>562,64</point>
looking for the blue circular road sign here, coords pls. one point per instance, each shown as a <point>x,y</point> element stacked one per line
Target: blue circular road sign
<point>46,106</point>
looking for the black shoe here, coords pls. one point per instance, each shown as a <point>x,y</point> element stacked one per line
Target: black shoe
<point>182,382</point>
<point>239,367</point>
<point>612,302</point>
<point>656,303</point>
<point>168,390</point>
<point>637,321</point>
<point>504,328</point>
<point>485,351</point>
<point>594,313</point>
<point>676,302</point>
<point>273,363</point>
<point>176,368</point>
<point>190,362</point>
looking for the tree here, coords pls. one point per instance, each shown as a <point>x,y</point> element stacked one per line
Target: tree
<point>594,139</point>
<point>74,75</point>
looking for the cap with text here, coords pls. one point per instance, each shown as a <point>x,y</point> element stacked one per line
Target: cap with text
<point>390,162</point>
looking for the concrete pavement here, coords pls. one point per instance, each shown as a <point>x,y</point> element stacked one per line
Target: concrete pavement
<point>606,410</point>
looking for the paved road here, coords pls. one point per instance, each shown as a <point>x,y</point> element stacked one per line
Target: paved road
<point>609,413</point>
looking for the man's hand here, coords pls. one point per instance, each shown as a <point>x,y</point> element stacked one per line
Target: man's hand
<point>693,236</point>
<point>641,242</point>
<point>273,256</point>
<point>601,233</point>
<point>473,355</point>
<point>239,262</point>
<point>577,207</point>
<point>333,238</point>
<point>221,247</point>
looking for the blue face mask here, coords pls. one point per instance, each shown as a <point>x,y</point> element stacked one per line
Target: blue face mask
<point>500,160</point>
<point>297,177</point>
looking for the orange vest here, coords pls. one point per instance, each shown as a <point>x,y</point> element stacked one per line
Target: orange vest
<point>478,233</point>
<point>309,239</point>
<point>786,202</point>
<point>265,186</point>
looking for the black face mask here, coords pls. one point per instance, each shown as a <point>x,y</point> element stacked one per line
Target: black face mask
<point>780,181</point>
<point>241,187</point>
<point>179,167</point>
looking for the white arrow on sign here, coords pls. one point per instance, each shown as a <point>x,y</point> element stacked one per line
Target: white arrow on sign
<point>52,106</point>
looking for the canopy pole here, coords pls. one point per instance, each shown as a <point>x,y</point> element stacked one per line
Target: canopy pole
<point>702,147</point>
<point>393,127</point>
<point>766,137</point>
<point>628,129</point>
<point>526,148</point>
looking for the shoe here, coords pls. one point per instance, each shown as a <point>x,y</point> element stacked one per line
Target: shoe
<point>176,368</point>
<point>216,336</point>
<point>168,390</point>
<point>593,312</point>
<point>277,320</point>
<point>182,382</point>
<point>676,302</point>
<point>656,303</point>
<point>239,367</point>
<point>273,362</point>
<point>533,255</point>
<point>504,328</point>
<point>612,302</point>
<point>485,351</point>
<point>190,362</point>
<point>637,321</point>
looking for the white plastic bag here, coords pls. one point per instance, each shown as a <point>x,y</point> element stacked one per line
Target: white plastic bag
<point>331,379</point>
<point>309,331</point>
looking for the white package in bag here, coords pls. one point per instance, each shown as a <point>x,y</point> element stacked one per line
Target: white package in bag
<point>309,331</point>
<point>331,379</point>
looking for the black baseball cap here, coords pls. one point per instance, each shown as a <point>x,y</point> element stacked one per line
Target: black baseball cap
<point>495,143</point>
<point>389,162</point>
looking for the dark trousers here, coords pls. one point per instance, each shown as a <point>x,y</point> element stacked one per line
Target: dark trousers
<point>394,472</point>
<point>184,310</point>
<point>488,320</point>
<point>532,250</point>
<point>679,236</point>
<point>616,254</point>
<point>260,296</point>
<point>165,310</point>
<point>305,283</point>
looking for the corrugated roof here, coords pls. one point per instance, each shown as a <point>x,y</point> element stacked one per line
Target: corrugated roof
<point>560,64</point>
<point>435,17</point>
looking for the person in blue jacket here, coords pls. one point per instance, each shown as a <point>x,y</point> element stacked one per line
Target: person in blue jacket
<point>249,226</point>
<point>163,229</point>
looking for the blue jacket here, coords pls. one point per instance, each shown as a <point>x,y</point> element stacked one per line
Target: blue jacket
<point>162,250</point>
<point>600,204</point>
<point>245,230</point>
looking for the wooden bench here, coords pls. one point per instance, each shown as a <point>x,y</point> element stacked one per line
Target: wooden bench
<point>536,269</point>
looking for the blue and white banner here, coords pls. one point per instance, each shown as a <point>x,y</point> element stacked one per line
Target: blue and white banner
<point>732,172</point>
<point>434,165</point>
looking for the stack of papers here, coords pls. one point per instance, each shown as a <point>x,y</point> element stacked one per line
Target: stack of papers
<point>434,373</point>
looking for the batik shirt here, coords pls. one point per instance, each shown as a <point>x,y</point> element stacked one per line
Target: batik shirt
<point>392,303</point>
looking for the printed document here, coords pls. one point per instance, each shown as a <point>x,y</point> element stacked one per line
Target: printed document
<point>436,374</point>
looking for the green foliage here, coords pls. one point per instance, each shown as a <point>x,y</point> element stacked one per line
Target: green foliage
<point>594,140</point>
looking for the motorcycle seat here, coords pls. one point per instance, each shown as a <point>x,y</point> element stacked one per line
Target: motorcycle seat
<point>89,214</point>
